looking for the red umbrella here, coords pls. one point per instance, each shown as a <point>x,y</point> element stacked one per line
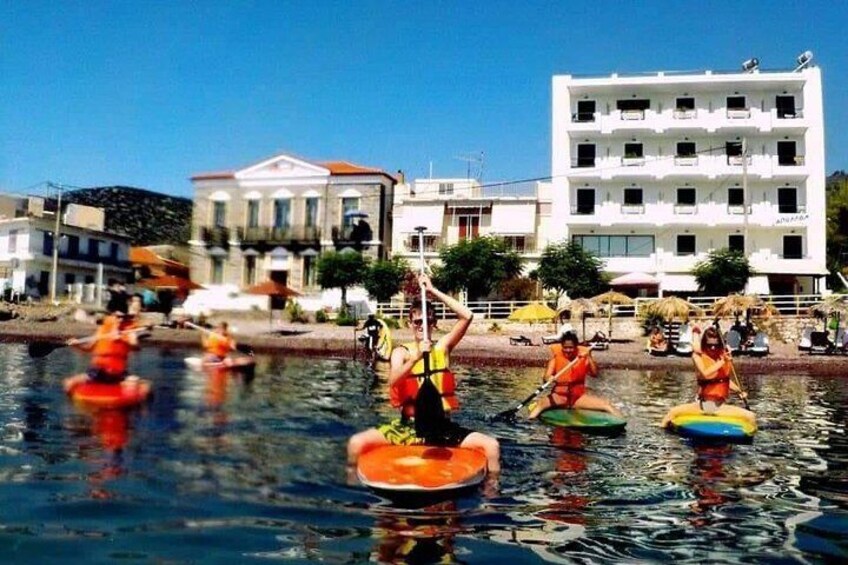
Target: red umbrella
<point>272,289</point>
<point>170,281</point>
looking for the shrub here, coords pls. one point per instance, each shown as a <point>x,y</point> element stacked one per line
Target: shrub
<point>494,328</point>
<point>295,312</point>
<point>345,319</point>
<point>320,317</point>
<point>392,323</point>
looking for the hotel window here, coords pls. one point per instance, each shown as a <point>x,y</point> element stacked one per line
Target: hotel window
<point>735,197</point>
<point>686,197</point>
<point>616,245</point>
<point>585,111</point>
<point>281,213</point>
<point>736,243</point>
<point>311,220</point>
<point>93,248</point>
<point>250,270</point>
<point>685,244</point>
<point>585,155</point>
<point>216,273</point>
<point>469,226</point>
<point>219,214</point>
<point>253,213</point>
<point>785,106</point>
<point>787,201</point>
<point>684,104</point>
<point>686,149</point>
<point>736,103</point>
<point>733,148</point>
<point>73,245</point>
<point>445,189</point>
<point>787,154</point>
<point>633,199</point>
<point>47,243</point>
<point>515,243</point>
<point>13,241</point>
<point>585,202</point>
<point>792,247</point>
<point>633,151</point>
<point>113,251</point>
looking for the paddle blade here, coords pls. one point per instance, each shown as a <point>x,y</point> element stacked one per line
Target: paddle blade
<point>246,349</point>
<point>505,416</point>
<point>38,349</point>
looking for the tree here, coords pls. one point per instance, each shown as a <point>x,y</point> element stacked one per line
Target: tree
<point>476,265</point>
<point>518,288</point>
<point>567,267</point>
<point>384,279</point>
<point>837,225</point>
<point>723,272</point>
<point>341,270</point>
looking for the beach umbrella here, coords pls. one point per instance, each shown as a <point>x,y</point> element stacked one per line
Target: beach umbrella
<point>272,289</point>
<point>635,280</point>
<point>533,312</point>
<point>609,298</point>
<point>581,307</point>
<point>356,214</point>
<point>672,307</point>
<point>736,304</point>
<point>835,303</point>
<point>169,281</point>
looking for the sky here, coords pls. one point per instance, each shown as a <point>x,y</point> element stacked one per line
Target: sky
<point>148,93</point>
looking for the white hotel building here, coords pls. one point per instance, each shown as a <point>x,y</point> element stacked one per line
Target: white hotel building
<point>649,173</point>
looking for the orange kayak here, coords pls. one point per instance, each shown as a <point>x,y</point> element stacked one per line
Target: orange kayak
<point>420,468</point>
<point>105,395</point>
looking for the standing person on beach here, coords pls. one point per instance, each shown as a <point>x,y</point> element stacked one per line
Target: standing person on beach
<point>714,367</point>
<point>407,380</point>
<point>569,391</point>
<point>110,349</point>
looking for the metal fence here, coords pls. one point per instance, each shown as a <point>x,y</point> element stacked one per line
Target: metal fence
<point>787,305</point>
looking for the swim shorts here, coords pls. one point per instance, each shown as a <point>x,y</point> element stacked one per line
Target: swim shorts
<point>402,432</point>
<point>710,406</point>
<point>100,376</point>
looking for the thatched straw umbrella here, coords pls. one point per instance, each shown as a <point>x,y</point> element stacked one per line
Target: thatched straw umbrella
<point>582,307</point>
<point>609,298</point>
<point>736,304</point>
<point>672,307</point>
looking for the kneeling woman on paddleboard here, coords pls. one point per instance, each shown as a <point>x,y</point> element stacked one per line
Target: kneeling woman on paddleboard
<point>714,367</point>
<point>423,388</point>
<point>570,364</point>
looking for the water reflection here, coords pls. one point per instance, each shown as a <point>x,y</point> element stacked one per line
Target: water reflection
<point>236,470</point>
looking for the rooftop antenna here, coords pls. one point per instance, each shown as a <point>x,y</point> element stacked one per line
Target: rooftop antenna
<point>751,65</point>
<point>804,60</point>
<point>473,158</point>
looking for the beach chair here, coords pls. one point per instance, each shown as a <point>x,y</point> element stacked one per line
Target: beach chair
<point>600,340</point>
<point>733,341</point>
<point>684,341</point>
<point>520,340</point>
<point>760,348</point>
<point>805,343</point>
<point>821,344</point>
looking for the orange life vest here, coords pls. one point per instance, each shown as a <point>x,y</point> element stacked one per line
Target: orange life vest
<point>218,345</point>
<point>573,382</point>
<point>403,392</point>
<point>109,354</point>
<point>717,388</point>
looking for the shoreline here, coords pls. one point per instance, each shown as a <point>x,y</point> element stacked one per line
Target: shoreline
<point>489,350</point>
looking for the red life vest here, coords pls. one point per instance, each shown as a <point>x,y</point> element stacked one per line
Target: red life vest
<point>403,392</point>
<point>717,388</point>
<point>218,345</point>
<point>573,382</point>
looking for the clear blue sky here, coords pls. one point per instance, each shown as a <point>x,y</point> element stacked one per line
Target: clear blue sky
<point>148,93</point>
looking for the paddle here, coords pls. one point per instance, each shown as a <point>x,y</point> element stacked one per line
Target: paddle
<point>733,374</point>
<point>38,349</point>
<point>510,414</point>
<point>429,411</point>
<point>246,349</point>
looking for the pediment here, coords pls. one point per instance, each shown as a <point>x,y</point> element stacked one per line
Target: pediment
<point>282,167</point>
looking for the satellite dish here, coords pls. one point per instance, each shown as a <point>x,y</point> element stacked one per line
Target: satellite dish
<point>751,65</point>
<point>804,60</point>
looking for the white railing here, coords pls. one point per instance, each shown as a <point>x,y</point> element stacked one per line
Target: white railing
<point>787,305</point>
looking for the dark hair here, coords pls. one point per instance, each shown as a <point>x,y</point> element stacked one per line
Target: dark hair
<point>416,305</point>
<point>117,303</point>
<point>569,336</point>
<point>709,333</point>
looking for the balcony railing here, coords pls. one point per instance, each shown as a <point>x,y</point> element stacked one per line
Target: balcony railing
<point>686,160</point>
<point>633,114</point>
<point>737,209</point>
<point>795,114</point>
<point>583,117</point>
<point>791,161</point>
<point>738,113</point>
<point>583,210</point>
<point>352,234</point>
<point>685,114</point>
<point>583,162</point>
<point>431,244</point>
<point>791,209</point>
<point>632,209</point>
<point>685,208</point>
<point>280,235</point>
<point>633,161</point>
<point>215,236</point>
<point>737,159</point>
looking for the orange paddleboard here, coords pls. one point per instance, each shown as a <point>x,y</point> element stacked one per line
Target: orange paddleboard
<point>421,468</point>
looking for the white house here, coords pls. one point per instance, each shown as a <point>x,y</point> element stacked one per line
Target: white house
<point>651,172</point>
<point>453,210</point>
<point>85,251</point>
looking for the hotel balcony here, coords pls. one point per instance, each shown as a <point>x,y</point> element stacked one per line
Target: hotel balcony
<point>705,214</point>
<point>351,236</point>
<point>282,236</point>
<point>656,167</point>
<point>215,236</point>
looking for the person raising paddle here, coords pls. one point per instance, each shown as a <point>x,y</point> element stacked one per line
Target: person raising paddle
<point>413,367</point>
<point>217,344</point>
<point>110,347</point>
<point>569,391</point>
<point>714,367</point>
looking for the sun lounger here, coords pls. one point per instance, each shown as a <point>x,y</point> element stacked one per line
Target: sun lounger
<point>684,341</point>
<point>805,343</point>
<point>520,340</point>
<point>600,340</point>
<point>760,348</point>
<point>820,343</point>
<point>733,340</point>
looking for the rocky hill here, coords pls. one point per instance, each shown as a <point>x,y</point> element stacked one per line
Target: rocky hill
<point>147,217</point>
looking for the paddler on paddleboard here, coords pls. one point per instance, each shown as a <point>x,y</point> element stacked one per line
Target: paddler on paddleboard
<point>217,344</point>
<point>409,387</point>
<point>569,391</point>
<point>110,347</point>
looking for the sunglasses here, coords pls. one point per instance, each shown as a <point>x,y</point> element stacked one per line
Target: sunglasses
<point>420,322</point>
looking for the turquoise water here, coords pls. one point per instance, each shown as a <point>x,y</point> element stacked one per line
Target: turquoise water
<point>218,470</point>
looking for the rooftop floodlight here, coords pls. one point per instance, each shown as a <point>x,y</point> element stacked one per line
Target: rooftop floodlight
<point>751,65</point>
<point>804,60</point>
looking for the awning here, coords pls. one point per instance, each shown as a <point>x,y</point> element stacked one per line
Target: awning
<point>430,216</point>
<point>634,279</point>
<point>514,218</point>
<point>680,283</point>
<point>757,284</point>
